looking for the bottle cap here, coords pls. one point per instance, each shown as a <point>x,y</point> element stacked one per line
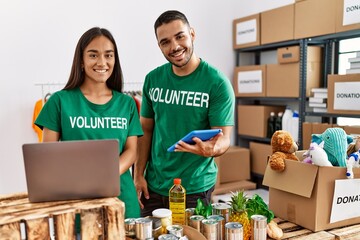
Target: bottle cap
<point>177,180</point>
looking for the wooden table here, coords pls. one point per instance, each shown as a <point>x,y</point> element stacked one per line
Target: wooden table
<point>100,218</point>
<point>293,231</point>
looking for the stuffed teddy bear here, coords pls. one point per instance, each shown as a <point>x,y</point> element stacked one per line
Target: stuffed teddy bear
<point>283,147</point>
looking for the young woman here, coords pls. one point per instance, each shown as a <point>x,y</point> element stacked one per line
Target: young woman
<point>92,106</point>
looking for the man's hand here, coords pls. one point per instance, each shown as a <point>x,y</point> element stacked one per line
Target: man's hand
<point>141,188</point>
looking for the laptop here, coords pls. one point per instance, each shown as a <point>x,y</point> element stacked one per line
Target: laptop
<point>71,170</point>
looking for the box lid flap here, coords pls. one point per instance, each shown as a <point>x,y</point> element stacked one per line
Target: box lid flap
<point>297,178</point>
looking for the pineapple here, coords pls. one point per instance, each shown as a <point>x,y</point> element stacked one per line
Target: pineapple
<point>239,213</point>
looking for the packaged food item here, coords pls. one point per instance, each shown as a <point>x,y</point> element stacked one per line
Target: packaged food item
<point>258,227</point>
<point>221,225</point>
<point>233,230</point>
<point>143,228</point>
<point>195,222</point>
<point>165,216</point>
<point>176,230</point>
<point>129,227</point>
<point>188,213</point>
<point>209,228</point>
<point>177,202</point>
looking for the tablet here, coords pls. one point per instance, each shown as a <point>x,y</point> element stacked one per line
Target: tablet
<point>202,134</point>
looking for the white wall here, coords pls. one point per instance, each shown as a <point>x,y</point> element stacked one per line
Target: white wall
<point>38,39</point>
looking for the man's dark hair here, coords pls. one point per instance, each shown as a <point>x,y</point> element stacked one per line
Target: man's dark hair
<point>169,16</point>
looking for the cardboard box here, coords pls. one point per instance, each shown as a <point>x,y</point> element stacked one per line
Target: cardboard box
<point>246,31</point>
<point>291,54</point>
<point>234,165</point>
<point>350,130</point>
<point>350,20</point>
<point>233,186</point>
<point>259,153</point>
<point>343,94</point>
<point>310,128</point>
<point>286,75</point>
<point>303,194</point>
<point>252,119</point>
<point>250,81</point>
<point>277,24</point>
<point>306,134</point>
<point>318,128</point>
<point>283,80</point>
<point>314,18</point>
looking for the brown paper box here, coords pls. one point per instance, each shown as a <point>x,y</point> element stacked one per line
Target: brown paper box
<point>234,165</point>
<point>259,153</point>
<point>303,194</point>
<point>277,24</point>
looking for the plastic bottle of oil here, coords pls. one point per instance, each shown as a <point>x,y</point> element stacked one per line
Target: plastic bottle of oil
<point>177,200</point>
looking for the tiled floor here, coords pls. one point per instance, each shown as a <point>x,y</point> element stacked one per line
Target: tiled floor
<point>263,193</point>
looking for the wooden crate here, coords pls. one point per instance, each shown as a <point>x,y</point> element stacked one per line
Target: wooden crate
<point>293,231</point>
<point>100,218</point>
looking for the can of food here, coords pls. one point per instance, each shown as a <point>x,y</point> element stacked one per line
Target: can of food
<point>258,227</point>
<point>188,213</point>
<point>221,225</point>
<point>209,228</point>
<point>129,225</point>
<point>233,231</point>
<point>195,222</point>
<point>164,215</point>
<point>143,228</point>
<point>176,230</point>
<point>222,209</point>
<point>167,237</point>
<point>156,227</point>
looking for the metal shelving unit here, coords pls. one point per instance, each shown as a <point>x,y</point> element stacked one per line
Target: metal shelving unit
<point>330,44</point>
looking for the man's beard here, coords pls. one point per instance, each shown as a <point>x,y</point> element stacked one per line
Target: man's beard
<point>187,60</point>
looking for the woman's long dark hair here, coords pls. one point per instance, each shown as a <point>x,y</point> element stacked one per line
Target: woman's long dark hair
<point>77,76</point>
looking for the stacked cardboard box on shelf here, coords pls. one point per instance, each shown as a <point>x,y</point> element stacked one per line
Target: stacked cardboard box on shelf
<point>314,18</point>
<point>246,31</point>
<point>259,153</point>
<point>249,81</point>
<point>233,171</point>
<point>285,74</point>
<point>252,119</point>
<point>343,94</point>
<point>347,13</point>
<point>277,24</point>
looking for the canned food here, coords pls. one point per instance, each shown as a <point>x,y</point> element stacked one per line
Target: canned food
<point>156,227</point>
<point>233,231</point>
<point>167,237</point>
<point>258,227</point>
<point>129,227</point>
<point>222,209</point>
<point>143,228</point>
<point>195,222</point>
<point>176,230</point>
<point>221,225</point>
<point>188,213</point>
<point>209,228</point>
<point>164,215</point>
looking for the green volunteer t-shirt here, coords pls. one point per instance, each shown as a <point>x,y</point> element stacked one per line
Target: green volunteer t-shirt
<point>75,118</point>
<point>203,99</point>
